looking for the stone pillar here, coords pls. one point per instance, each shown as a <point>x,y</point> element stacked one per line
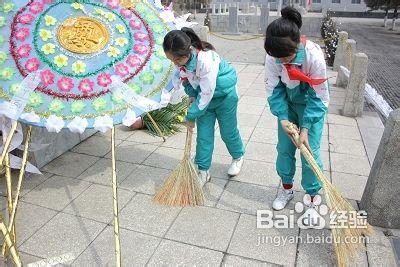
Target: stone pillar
<point>351,49</point>
<point>264,18</point>
<point>233,20</point>
<point>340,51</point>
<point>381,198</point>
<point>354,101</point>
<point>225,8</point>
<point>220,9</point>
<point>213,9</point>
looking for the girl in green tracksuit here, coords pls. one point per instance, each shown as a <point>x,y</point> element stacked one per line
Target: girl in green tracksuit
<point>210,83</point>
<point>295,74</point>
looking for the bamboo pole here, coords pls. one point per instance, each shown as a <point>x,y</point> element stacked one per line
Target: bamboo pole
<point>115,201</point>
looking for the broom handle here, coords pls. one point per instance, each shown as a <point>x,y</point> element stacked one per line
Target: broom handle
<point>188,145</point>
<point>308,156</point>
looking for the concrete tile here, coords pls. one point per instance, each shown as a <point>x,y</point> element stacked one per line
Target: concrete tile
<point>142,136</point>
<point>29,182</point>
<point>261,152</point>
<point>370,119</point>
<point>29,219</point>
<point>96,203</point>
<point>260,173</point>
<point>204,226</point>
<point>247,120</point>
<point>379,250</point>
<point>142,215</point>
<point>145,179</point>
<point>253,100</point>
<point>63,234</point>
<point>268,121</point>
<point>309,244</point>
<point>350,164</point>
<point>335,109</point>
<point>87,133</point>
<point>347,146</point>
<point>213,190</point>
<point>96,146</point>
<point>171,253</point>
<point>256,91</point>
<point>371,137</point>
<point>136,249</point>
<point>250,109</point>
<point>250,242</point>
<point>253,68</point>
<point>101,172</point>
<point>56,192</point>
<point>232,260</point>
<point>341,120</point>
<point>336,100</point>
<point>133,152</point>
<point>70,164</point>
<point>350,185</point>
<point>264,135</point>
<point>342,131</point>
<point>246,198</point>
<point>165,157</point>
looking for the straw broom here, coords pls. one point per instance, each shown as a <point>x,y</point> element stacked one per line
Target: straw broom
<point>182,187</point>
<point>345,250</point>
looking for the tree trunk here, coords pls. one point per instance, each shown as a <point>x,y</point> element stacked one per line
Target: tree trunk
<point>386,17</point>
<point>394,19</point>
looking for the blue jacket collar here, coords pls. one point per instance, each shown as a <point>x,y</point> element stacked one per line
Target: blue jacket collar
<point>191,64</point>
<point>300,56</point>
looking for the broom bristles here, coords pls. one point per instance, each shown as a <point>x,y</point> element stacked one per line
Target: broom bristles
<point>182,187</point>
<point>346,250</point>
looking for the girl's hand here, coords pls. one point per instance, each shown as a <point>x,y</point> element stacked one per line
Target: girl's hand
<point>190,126</point>
<point>303,139</point>
<point>288,131</point>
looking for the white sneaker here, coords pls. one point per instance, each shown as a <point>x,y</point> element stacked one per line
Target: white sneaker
<point>236,167</point>
<point>204,177</point>
<point>282,199</point>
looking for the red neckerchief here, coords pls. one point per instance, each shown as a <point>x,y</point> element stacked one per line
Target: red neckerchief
<point>298,75</point>
<point>182,68</point>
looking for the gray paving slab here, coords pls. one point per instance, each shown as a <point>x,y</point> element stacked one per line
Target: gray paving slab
<point>70,164</point>
<point>171,253</point>
<point>63,234</point>
<point>136,249</point>
<point>56,192</point>
<point>204,226</point>
<point>96,203</point>
<point>142,215</point>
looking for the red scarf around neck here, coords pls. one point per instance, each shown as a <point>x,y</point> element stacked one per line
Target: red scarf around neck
<point>298,75</point>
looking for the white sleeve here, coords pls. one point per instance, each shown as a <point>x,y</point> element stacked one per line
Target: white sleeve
<point>317,71</point>
<point>207,72</point>
<point>272,74</point>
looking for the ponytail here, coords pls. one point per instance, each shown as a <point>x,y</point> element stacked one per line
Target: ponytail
<point>180,42</point>
<point>196,41</point>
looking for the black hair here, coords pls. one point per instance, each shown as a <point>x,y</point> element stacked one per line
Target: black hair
<point>283,35</point>
<point>179,42</point>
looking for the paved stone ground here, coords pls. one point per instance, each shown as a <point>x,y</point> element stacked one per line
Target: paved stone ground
<point>383,49</point>
<point>68,210</point>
